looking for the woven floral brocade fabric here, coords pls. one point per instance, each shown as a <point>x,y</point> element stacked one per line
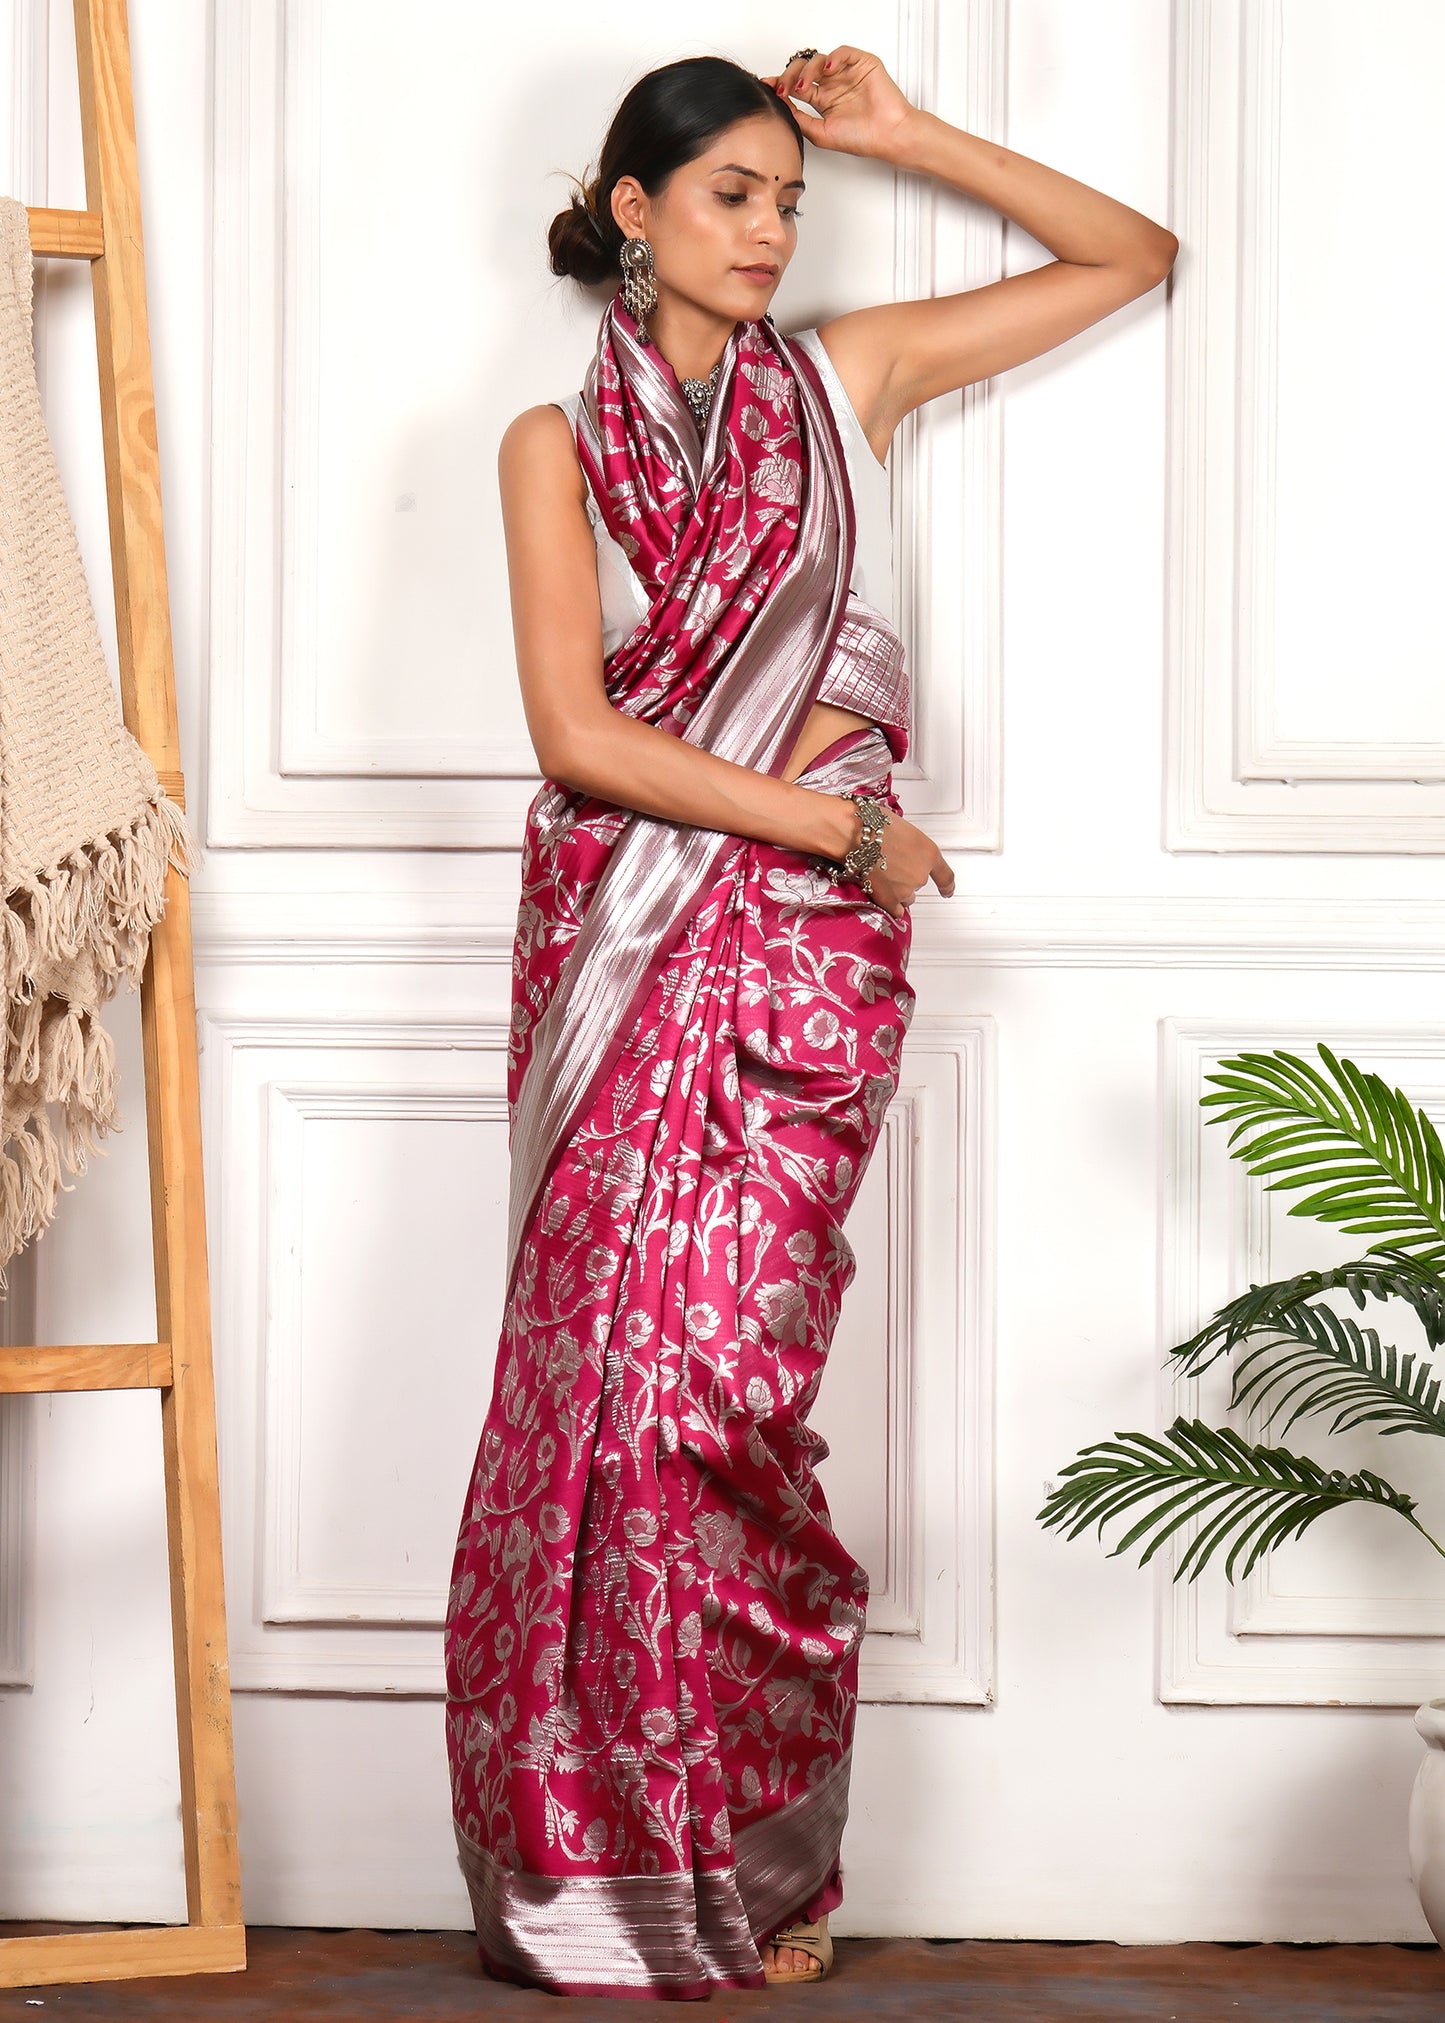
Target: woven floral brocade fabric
<point>653,1629</point>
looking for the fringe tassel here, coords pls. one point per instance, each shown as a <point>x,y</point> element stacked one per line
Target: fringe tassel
<point>62,1055</point>
<point>14,944</point>
<point>99,1073</point>
<point>22,1056</point>
<point>100,906</point>
<point>12,1214</point>
<point>35,1161</point>
<point>183,846</point>
<point>101,902</point>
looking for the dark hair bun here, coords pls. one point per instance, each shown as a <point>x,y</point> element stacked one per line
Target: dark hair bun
<point>577,247</point>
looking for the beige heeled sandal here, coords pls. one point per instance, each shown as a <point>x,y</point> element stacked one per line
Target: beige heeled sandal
<point>808,1937</point>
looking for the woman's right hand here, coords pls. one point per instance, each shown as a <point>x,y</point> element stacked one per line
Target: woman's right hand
<point>910,859</point>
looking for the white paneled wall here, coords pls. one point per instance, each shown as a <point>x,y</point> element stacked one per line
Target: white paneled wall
<point>1166,597</point>
<point>1306,707</point>
<point>356,546</point>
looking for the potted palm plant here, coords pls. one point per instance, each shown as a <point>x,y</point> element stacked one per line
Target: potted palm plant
<point>1373,1164</point>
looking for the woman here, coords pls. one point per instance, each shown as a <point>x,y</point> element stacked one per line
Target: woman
<point>652,1634</point>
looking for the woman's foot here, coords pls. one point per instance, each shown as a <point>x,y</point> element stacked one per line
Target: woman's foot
<point>799,1951</point>
<point>785,1959</point>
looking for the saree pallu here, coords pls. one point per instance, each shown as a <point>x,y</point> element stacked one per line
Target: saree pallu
<point>654,1630</point>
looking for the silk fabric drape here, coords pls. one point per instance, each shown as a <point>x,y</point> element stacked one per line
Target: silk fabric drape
<point>652,1632</point>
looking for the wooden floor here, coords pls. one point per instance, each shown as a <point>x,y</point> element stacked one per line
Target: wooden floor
<point>295,1976</point>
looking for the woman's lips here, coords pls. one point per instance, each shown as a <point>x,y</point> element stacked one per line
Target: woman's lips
<point>764,275</point>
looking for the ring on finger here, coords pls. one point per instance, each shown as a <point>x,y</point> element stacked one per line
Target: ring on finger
<point>806,54</point>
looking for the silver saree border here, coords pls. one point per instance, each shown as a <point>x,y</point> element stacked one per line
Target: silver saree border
<point>668,1931</point>
<point>752,714</point>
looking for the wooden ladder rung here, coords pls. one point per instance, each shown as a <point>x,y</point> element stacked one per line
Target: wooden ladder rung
<point>87,1366</point>
<point>120,1954</point>
<point>68,235</point>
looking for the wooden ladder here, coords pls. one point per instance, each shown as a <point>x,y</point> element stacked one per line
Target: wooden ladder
<point>178,1366</point>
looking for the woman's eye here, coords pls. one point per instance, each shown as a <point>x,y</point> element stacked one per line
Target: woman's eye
<point>741,197</point>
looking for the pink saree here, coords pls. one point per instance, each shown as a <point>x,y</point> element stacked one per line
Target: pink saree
<point>652,1631</point>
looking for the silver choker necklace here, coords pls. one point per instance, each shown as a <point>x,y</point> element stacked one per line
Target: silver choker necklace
<point>698,394</point>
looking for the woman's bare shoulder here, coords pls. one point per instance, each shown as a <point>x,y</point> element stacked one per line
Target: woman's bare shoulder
<point>540,441</point>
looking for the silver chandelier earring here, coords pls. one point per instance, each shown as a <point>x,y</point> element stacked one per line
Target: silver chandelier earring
<point>639,291</point>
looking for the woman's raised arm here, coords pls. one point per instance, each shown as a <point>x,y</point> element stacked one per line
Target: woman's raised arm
<point>894,357</point>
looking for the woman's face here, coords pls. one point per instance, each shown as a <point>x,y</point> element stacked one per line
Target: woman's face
<point>724,226</point>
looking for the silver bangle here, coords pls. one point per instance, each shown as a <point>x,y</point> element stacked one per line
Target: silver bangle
<point>866,855</point>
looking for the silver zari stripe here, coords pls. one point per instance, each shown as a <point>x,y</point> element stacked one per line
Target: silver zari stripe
<point>661,1931</point>
<point>752,714</point>
<point>869,760</point>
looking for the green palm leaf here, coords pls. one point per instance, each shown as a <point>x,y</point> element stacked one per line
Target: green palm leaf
<point>1374,1160</point>
<point>1264,1491</point>
<point>1383,1273</point>
<point>1331,1361</point>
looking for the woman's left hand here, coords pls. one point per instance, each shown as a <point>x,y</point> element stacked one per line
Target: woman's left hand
<point>859,109</point>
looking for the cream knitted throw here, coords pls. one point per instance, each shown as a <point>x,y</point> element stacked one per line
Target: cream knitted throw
<point>86,830</point>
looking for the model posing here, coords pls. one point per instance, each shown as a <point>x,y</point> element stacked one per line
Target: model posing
<point>652,1634</point>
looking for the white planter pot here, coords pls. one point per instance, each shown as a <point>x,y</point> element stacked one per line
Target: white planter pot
<point>1427,1818</point>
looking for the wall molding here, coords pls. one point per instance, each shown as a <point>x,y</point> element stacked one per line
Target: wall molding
<point>274,775</point>
<point>1265,754</point>
<point>476,924</point>
<point>1232,782</point>
<point>947,460</point>
<point>261,1076</point>
<point>931,1636</point>
<point>288,1594</point>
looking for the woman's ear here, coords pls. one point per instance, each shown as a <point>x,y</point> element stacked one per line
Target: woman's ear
<point>628,203</point>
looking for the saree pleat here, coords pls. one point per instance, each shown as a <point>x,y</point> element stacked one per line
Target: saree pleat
<point>653,1640</point>
<point>653,1630</point>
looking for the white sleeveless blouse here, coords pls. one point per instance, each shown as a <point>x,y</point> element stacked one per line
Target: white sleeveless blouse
<point>624,602</point>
